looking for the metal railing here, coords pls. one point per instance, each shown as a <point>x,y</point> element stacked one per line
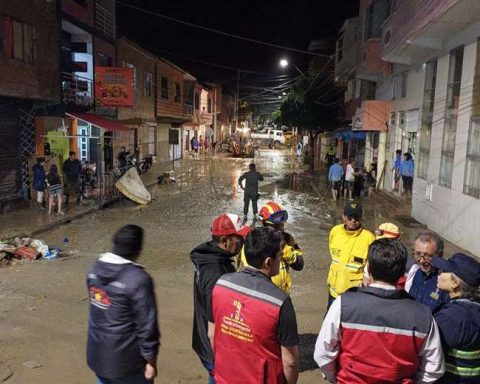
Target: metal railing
<point>77,90</point>
<point>188,110</point>
<point>104,21</point>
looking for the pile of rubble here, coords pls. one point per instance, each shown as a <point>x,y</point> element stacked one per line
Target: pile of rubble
<point>26,249</point>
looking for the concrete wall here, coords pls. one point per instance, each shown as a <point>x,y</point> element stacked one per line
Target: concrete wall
<point>454,215</point>
<point>162,142</point>
<point>40,80</point>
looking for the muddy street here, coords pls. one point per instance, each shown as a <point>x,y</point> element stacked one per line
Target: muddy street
<point>44,306</point>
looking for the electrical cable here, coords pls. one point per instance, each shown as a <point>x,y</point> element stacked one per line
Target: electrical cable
<point>174,20</point>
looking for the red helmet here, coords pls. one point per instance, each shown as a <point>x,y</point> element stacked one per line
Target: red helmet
<point>272,213</point>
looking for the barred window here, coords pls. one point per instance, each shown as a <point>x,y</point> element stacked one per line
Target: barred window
<point>427,119</point>
<point>471,184</point>
<point>451,116</point>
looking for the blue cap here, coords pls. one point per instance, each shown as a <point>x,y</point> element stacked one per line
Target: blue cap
<point>463,266</point>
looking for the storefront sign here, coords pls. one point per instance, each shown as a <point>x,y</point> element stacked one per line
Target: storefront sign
<point>114,87</point>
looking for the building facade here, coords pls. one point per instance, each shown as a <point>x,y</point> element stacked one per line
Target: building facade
<point>29,87</point>
<point>438,45</point>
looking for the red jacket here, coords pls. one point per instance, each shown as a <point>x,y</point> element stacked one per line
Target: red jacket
<point>246,312</point>
<point>382,334</point>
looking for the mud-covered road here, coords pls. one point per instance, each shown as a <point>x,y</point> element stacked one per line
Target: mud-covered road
<point>44,307</point>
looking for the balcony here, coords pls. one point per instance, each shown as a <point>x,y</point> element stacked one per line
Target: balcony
<point>188,110</point>
<point>77,90</point>
<point>205,118</point>
<point>346,50</point>
<point>417,32</point>
<point>104,22</point>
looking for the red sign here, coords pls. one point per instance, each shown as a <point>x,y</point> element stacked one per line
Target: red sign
<point>114,87</point>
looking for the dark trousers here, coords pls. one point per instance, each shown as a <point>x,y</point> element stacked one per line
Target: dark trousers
<point>246,202</point>
<point>407,183</point>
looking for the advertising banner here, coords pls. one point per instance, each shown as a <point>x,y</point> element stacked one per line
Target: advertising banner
<point>114,87</point>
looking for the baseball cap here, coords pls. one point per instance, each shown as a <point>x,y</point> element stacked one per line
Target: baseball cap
<point>353,209</point>
<point>229,224</point>
<point>463,266</point>
<point>387,231</point>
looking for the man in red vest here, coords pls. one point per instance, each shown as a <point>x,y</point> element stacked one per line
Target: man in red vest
<point>378,334</point>
<point>252,323</point>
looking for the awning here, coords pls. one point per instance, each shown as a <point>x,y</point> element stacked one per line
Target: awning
<point>347,134</point>
<point>100,122</point>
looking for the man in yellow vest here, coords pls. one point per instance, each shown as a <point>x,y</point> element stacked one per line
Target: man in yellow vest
<point>348,245</point>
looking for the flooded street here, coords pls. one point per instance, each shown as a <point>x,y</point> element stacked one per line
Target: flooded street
<point>43,315</point>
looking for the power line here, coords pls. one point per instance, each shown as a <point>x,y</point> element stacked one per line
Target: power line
<point>163,51</point>
<point>174,20</point>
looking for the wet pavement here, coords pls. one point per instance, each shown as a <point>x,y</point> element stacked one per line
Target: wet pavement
<point>43,305</point>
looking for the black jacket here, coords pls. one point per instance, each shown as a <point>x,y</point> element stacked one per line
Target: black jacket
<point>123,331</point>
<point>210,263</point>
<point>72,169</point>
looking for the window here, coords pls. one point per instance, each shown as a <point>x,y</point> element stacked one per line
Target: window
<point>427,119</point>
<point>403,82</point>
<point>23,36</point>
<point>399,86</point>
<point>393,120</point>
<point>128,65</point>
<point>103,60</point>
<point>178,95</point>
<point>451,116</point>
<point>471,185</point>
<point>147,84</point>
<point>209,105</point>
<point>197,101</point>
<point>164,88</point>
<point>375,15</point>
<point>83,3</point>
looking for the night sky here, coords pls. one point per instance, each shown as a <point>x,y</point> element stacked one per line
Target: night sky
<point>284,22</point>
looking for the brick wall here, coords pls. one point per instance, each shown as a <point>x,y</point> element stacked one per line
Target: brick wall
<point>40,80</point>
<point>144,107</point>
<point>168,107</point>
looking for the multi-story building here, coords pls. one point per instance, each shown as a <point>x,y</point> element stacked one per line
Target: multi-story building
<point>29,86</point>
<point>437,46</point>
<point>141,116</point>
<point>174,108</point>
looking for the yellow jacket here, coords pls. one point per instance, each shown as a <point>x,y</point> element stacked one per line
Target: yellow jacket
<point>348,250</point>
<point>284,279</point>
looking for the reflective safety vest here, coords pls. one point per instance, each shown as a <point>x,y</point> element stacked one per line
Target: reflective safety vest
<point>349,250</point>
<point>462,366</point>
<point>246,311</point>
<point>378,345</point>
<point>284,278</point>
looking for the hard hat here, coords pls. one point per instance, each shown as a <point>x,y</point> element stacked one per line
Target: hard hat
<point>272,213</point>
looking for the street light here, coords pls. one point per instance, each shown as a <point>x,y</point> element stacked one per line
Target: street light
<point>284,63</point>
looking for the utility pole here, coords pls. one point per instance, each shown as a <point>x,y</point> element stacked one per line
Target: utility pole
<point>237,96</point>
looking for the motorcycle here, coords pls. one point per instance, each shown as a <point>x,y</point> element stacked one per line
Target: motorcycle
<point>146,163</point>
<point>88,175</point>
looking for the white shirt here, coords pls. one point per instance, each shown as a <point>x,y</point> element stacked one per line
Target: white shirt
<point>411,274</point>
<point>327,347</point>
<point>349,173</point>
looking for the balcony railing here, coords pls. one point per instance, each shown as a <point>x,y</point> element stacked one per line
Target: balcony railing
<point>205,117</point>
<point>187,110</point>
<point>104,22</point>
<point>77,90</point>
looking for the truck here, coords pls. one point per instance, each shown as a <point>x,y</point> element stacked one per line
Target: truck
<point>269,136</point>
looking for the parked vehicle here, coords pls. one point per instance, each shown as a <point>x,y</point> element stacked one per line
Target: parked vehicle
<point>269,136</point>
<point>146,163</point>
<point>88,175</point>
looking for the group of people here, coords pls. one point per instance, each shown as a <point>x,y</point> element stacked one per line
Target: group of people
<point>393,317</point>
<point>351,181</point>
<point>49,186</point>
<point>201,145</point>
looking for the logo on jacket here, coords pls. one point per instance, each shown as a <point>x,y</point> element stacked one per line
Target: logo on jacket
<point>235,326</point>
<point>99,298</point>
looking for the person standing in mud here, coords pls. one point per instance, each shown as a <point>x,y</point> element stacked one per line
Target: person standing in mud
<point>211,260</point>
<point>252,178</point>
<point>123,332</point>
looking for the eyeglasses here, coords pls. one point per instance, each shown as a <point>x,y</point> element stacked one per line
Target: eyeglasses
<point>419,255</point>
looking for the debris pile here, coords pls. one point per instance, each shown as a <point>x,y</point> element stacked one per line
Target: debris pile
<point>26,249</point>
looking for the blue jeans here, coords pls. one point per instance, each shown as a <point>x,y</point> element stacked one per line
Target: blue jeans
<point>138,378</point>
<point>209,367</point>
